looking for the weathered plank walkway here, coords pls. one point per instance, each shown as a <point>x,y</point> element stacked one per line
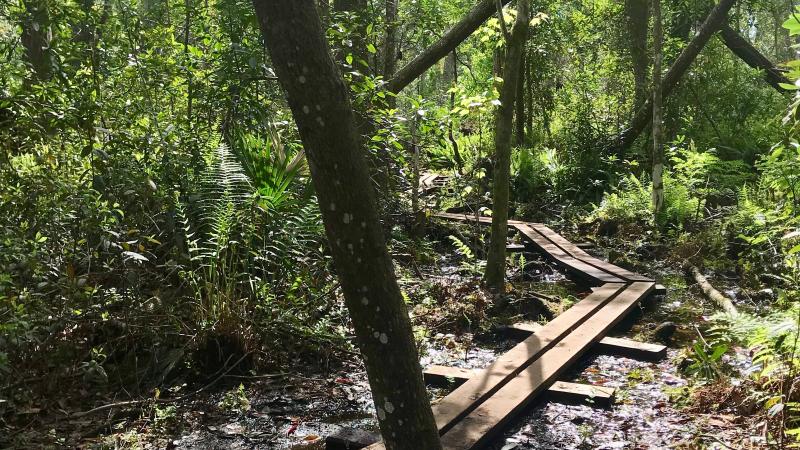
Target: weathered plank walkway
<point>487,400</point>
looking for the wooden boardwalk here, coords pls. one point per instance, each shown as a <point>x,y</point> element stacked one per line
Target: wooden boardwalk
<point>487,400</point>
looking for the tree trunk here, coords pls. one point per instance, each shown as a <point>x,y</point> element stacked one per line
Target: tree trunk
<point>750,55</point>
<point>658,131</point>
<point>520,103</point>
<point>36,38</point>
<point>496,260</point>
<point>450,132</point>
<point>643,117</point>
<point>439,49</point>
<point>390,45</point>
<point>320,104</point>
<point>636,12</point>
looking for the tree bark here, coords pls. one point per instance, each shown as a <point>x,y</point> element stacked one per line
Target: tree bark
<point>320,104</point>
<point>636,12</point>
<point>643,117</point>
<point>750,55</point>
<point>390,44</point>
<point>438,50</point>
<point>504,118</point>
<point>658,130</point>
<point>36,38</point>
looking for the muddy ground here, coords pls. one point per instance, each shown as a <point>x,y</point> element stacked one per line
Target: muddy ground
<point>297,411</point>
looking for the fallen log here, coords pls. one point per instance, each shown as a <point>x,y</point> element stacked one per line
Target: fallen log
<point>714,295</point>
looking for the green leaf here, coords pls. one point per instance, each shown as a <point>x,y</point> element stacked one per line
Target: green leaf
<point>793,25</point>
<point>371,48</point>
<point>788,87</point>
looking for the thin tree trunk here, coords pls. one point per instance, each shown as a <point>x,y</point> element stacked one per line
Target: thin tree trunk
<point>520,102</point>
<point>496,260</point>
<point>643,117</point>
<point>658,131</point>
<point>320,104</point>
<point>750,55</point>
<point>450,133</point>
<point>637,14</point>
<point>529,98</point>
<point>187,24</point>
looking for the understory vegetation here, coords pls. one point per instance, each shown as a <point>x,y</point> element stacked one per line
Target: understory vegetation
<point>159,224</point>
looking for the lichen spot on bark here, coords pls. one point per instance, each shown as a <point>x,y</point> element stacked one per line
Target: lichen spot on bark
<point>320,121</point>
<point>381,413</point>
<point>384,338</point>
<point>364,301</point>
<point>333,207</point>
<point>347,218</point>
<point>376,334</point>
<point>306,109</point>
<point>388,406</point>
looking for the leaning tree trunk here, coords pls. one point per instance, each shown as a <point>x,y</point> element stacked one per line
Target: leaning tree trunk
<point>496,260</point>
<point>750,55</point>
<point>439,49</point>
<point>658,130</point>
<point>643,117</point>
<point>636,14</point>
<point>320,104</point>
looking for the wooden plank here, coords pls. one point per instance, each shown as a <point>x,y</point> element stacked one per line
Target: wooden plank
<point>578,253</point>
<point>447,375</point>
<point>560,241</point>
<point>632,349</point>
<point>560,391</point>
<point>464,217</point>
<point>609,345</point>
<point>561,250</point>
<point>660,290</point>
<point>427,180</point>
<point>489,418</point>
<point>468,396</point>
<point>515,248</point>
<point>580,393</point>
<point>560,256</point>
